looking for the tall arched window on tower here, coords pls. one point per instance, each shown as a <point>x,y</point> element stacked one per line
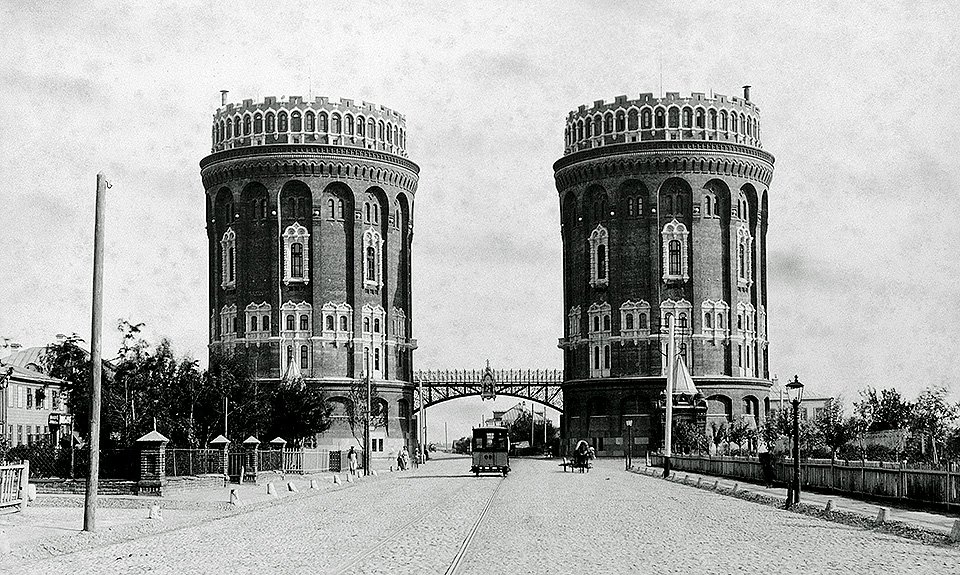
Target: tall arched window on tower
<point>258,123</point>
<point>309,120</point>
<point>271,123</point>
<point>282,122</point>
<point>744,259</point>
<point>674,118</point>
<point>599,243</point>
<point>304,357</point>
<point>675,259</point>
<point>372,246</point>
<point>296,251</point>
<point>228,246</point>
<point>332,209</point>
<point>296,260</point>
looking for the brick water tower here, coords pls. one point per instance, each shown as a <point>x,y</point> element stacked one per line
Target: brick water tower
<point>309,212</point>
<point>663,212</point>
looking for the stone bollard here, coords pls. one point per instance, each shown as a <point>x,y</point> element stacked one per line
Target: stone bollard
<point>829,507</point>
<point>374,472</point>
<point>955,532</point>
<point>336,480</point>
<point>155,513</point>
<point>686,478</point>
<point>271,490</point>
<point>699,480</point>
<point>291,487</point>
<point>234,498</point>
<point>4,542</point>
<point>349,478</point>
<point>735,487</point>
<point>716,485</point>
<point>883,514</point>
<point>31,492</point>
<point>314,484</point>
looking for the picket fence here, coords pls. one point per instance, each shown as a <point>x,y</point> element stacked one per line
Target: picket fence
<point>13,484</point>
<point>936,486</point>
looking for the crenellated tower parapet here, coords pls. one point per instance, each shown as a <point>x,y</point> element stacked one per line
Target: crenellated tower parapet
<point>297,121</point>
<point>671,117</point>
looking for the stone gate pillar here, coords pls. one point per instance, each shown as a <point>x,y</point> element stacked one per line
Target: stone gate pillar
<point>222,445</point>
<point>153,463</point>
<point>251,459</point>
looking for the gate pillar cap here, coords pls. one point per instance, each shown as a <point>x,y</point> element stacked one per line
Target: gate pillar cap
<point>278,441</point>
<point>220,440</point>
<point>251,441</point>
<point>153,438</point>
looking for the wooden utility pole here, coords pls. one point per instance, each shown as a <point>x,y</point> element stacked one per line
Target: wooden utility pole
<point>93,478</point>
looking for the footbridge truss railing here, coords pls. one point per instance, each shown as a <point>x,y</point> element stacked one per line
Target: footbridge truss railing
<point>539,385</point>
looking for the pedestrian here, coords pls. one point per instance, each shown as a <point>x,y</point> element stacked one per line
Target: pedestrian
<point>352,458</point>
<point>400,466</point>
<point>766,463</point>
<point>406,457</point>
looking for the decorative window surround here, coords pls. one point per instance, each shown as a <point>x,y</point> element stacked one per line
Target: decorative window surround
<point>748,365</point>
<point>228,260</point>
<point>573,323</point>
<point>295,310</point>
<point>675,230</point>
<point>679,309</point>
<point>399,324</point>
<point>228,318</point>
<point>599,262</point>
<point>640,319</point>
<point>372,340</point>
<point>372,271</point>
<point>599,317</point>
<point>744,257</point>
<point>340,316</point>
<point>259,311</point>
<point>295,233</point>
<point>715,319</point>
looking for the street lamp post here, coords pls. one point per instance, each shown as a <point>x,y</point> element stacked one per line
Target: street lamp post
<point>629,450</point>
<point>795,391</point>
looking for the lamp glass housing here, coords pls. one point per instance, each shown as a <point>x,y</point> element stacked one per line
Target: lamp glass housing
<point>795,390</point>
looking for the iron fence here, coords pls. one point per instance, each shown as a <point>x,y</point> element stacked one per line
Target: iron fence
<point>181,462</point>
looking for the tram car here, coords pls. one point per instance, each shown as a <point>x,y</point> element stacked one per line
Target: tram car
<point>491,447</point>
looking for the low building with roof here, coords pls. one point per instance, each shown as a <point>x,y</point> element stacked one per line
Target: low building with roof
<point>33,405</point>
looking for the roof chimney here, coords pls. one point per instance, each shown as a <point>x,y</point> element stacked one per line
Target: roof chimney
<point>746,93</point>
<point>223,97</point>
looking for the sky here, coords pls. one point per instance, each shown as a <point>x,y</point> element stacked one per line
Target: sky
<point>855,100</point>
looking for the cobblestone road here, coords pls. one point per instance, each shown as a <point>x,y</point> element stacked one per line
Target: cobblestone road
<point>541,521</point>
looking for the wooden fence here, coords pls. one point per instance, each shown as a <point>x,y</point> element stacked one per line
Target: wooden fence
<point>940,487</point>
<point>13,484</point>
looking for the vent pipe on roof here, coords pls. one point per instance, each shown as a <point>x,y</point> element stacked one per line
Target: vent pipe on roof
<point>746,93</point>
<point>223,97</point>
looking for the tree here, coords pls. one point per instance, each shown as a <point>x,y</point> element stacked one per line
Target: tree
<point>248,403</point>
<point>65,360</point>
<point>689,437</point>
<point>719,434</point>
<point>299,410</point>
<point>357,409</point>
<point>932,417</point>
<point>741,433</point>
<point>832,427</point>
<point>884,411</point>
<point>519,430</point>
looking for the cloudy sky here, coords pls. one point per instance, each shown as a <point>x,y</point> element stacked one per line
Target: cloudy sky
<point>856,101</point>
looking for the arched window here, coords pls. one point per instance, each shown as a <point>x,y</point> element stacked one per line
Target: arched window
<point>290,322</point>
<point>247,125</point>
<point>366,211</point>
<point>674,254</point>
<point>340,209</point>
<point>371,263</point>
<point>629,323</point>
<point>674,118</point>
<point>296,260</point>
<point>596,324</point>
<point>366,324</point>
<point>682,321</point>
<point>282,122</point>
<point>743,124</point>
<point>329,323</point>
<point>713,119</point>
<point>348,124</point>
<point>371,129</point>
<point>229,128</point>
<point>606,323</point>
<point>723,120</point>
<point>376,325</point>
<point>579,130</point>
<point>701,119</point>
<point>743,261</point>
<point>708,320</point>
<point>330,206</point>
<point>310,121</point>
<point>632,120</point>
<point>587,127</point>
<point>602,262</point>
<point>643,321</point>
<point>304,322</point>
<point>231,264</point>
<point>265,323</point>
<point>258,124</point>
<point>237,126</point>
<point>376,213</point>
<point>389,133</point>
<point>733,122</point>
<point>335,123</point>
<point>253,323</point>
<point>380,131</point>
<point>323,121</point>
<point>361,126</point>
<point>599,239</point>
<point>646,119</point>
<point>304,357</point>
<point>719,320</point>
<point>343,323</point>
<point>597,125</point>
<point>708,204</point>
<point>606,357</point>
<point>687,118</point>
<point>608,123</point>
<point>271,123</point>
<point>376,359</point>
<point>596,357</point>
